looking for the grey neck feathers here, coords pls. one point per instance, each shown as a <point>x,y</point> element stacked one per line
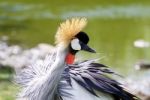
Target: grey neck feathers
<point>54,74</point>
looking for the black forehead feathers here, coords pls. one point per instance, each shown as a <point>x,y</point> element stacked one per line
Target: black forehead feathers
<point>82,36</point>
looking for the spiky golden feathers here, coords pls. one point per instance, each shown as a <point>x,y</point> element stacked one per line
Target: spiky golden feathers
<point>68,29</point>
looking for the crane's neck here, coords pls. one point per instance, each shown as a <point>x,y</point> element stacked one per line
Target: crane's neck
<point>60,56</point>
<point>54,74</point>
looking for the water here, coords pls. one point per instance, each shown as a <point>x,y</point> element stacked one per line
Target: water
<point>113,27</point>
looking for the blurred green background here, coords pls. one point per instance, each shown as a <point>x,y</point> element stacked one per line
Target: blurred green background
<point>113,26</point>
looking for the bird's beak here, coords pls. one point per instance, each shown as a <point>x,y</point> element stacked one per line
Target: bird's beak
<point>85,47</point>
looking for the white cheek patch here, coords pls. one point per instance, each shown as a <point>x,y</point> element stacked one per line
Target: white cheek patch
<point>75,44</point>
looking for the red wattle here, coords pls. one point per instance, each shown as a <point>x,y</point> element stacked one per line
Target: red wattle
<point>70,58</point>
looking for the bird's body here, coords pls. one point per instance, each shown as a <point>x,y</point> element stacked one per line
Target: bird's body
<point>58,78</point>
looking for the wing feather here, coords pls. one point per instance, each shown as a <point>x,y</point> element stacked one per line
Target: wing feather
<point>93,77</point>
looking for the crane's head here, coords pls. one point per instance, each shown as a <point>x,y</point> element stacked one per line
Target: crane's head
<point>71,36</point>
<point>79,42</point>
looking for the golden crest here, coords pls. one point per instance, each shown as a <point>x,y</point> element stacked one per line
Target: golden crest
<point>68,29</point>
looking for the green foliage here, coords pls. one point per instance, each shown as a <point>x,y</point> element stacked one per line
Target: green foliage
<point>7,87</point>
<point>29,22</point>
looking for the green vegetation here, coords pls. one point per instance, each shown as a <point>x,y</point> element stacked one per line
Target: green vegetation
<point>7,88</point>
<point>113,27</point>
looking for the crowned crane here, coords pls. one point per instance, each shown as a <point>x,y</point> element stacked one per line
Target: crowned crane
<point>59,78</point>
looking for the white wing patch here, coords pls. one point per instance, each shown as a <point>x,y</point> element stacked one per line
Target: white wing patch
<point>75,44</point>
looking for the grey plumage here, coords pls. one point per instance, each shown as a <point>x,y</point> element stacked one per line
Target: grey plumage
<point>88,76</point>
<point>39,81</point>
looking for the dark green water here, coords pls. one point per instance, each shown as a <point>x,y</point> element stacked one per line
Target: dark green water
<point>113,26</point>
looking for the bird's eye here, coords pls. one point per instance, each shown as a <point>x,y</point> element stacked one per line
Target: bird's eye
<point>75,44</point>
